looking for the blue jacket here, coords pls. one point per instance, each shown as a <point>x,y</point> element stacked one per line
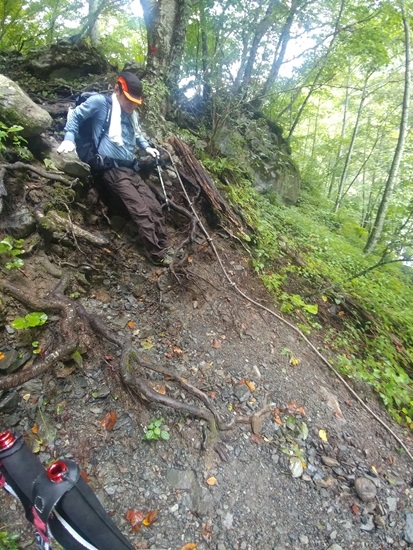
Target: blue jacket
<point>95,108</point>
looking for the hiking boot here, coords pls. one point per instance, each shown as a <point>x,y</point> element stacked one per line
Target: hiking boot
<point>166,260</point>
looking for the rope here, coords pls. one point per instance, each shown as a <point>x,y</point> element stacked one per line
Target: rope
<point>293,327</point>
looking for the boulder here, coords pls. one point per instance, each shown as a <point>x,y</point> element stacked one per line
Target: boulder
<point>17,108</point>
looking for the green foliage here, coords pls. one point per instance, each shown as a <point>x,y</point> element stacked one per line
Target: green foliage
<point>8,541</point>
<point>330,249</point>
<point>154,431</point>
<point>9,136</point>
<point>10,248</point>
<point>31,320</point>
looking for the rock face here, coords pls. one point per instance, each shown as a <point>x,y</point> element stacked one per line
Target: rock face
<point>260,150</point>
<point>17,108</point>
<point>67,61</point>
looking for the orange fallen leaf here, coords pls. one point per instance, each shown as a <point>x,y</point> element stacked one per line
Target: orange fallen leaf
<point>277,420</point>
<point>135,518</point>
<point>251,385</point>
<point>150,518</point>
<point>355,508</point>
<point>190,546</point>
<point>84,476</point>
<point>160,388</point>
<point>177,351</point>
<point>131,324</point>
<point>35,429</point>
<point>212,480</point>
<point>2,356</point>
<point>212,394</point>
<point>109,420</point>
<point>294,407</point>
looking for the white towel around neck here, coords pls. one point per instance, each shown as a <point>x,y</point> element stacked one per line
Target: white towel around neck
<point>115,126</point>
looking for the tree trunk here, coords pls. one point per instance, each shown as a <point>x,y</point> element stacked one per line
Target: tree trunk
<point>166,22</point>
<point>351,146</point>
<point>378,225</point>
<point>261,29</point>
<point>319,72</point>
<point>341,141</point>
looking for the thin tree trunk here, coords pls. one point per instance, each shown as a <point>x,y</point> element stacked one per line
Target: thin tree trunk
<point>342,136</point>
<point>351,146</point>
<point>378,225</point>
<point>261,29</point>
<point>318,74</point>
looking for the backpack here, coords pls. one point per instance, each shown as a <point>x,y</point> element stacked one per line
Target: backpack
<point>86,148</point>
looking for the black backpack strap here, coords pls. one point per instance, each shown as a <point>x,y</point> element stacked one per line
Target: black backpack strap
<point>106,122</point>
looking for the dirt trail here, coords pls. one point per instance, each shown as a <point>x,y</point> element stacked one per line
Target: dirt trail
<point>240,492</point>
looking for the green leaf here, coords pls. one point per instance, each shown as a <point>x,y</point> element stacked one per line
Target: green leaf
<point>165,435</point>
<point>19,323</point>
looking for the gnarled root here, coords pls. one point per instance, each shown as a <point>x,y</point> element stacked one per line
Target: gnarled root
<point>132,367</point>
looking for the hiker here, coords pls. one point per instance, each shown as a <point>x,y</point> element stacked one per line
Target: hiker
<point>113,161</point>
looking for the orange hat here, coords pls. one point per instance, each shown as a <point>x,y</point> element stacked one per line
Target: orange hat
<point>131,86</point>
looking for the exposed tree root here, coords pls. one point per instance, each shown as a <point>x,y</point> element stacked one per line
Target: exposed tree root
<point>71,335</point>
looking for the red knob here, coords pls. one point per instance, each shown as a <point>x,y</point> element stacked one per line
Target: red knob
<point>56,472</point>
<point>7,440</point>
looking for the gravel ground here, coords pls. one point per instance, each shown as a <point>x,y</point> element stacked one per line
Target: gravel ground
<point>316,471</point>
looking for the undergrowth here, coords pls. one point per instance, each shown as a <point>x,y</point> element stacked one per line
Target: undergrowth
<point>330,259</point>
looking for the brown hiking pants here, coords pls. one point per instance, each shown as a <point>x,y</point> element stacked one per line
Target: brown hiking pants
<point>142,205</point>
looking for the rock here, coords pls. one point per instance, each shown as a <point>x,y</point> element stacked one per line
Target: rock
<point>408,528</point>
<point>9,402</point>
<point>20,224</point>
<point>367,523</point>
<point>242,392</point>
<point>180,479</point>
<point>330,462</point>
<point>365,489</point>
<point>16,108</point>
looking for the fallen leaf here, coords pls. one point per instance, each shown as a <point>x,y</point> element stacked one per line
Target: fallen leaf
<point>190,546</point>
<point>35,429</point>
<point>160,388</point>
<point>84,476</point>
<point>216,343</point>
<point>355,508</point>
<point>278,420</point>
<point>131,324</point>
<point>331,401</point>
<point>147,344</point>
<point>177,351</point>
<point>293,407</point>
<point>256,438</point>
<point>206,531</point>
<point>109,420</point>
<point>322,434</point>
<point>2,356</point>
<point>212,394</point>
<point>250,385</point>
<point>212,480</point>
<point>135,518</point>
<point>150,518</point>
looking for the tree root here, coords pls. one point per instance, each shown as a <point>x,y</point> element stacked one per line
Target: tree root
<point>73,323</point>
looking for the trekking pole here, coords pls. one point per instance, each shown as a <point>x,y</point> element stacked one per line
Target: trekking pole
<point>158,167</point>
<point>57,501</point>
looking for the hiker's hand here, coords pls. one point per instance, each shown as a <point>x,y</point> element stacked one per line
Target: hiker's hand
<point>66,146</point>
<point>153,152</point>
